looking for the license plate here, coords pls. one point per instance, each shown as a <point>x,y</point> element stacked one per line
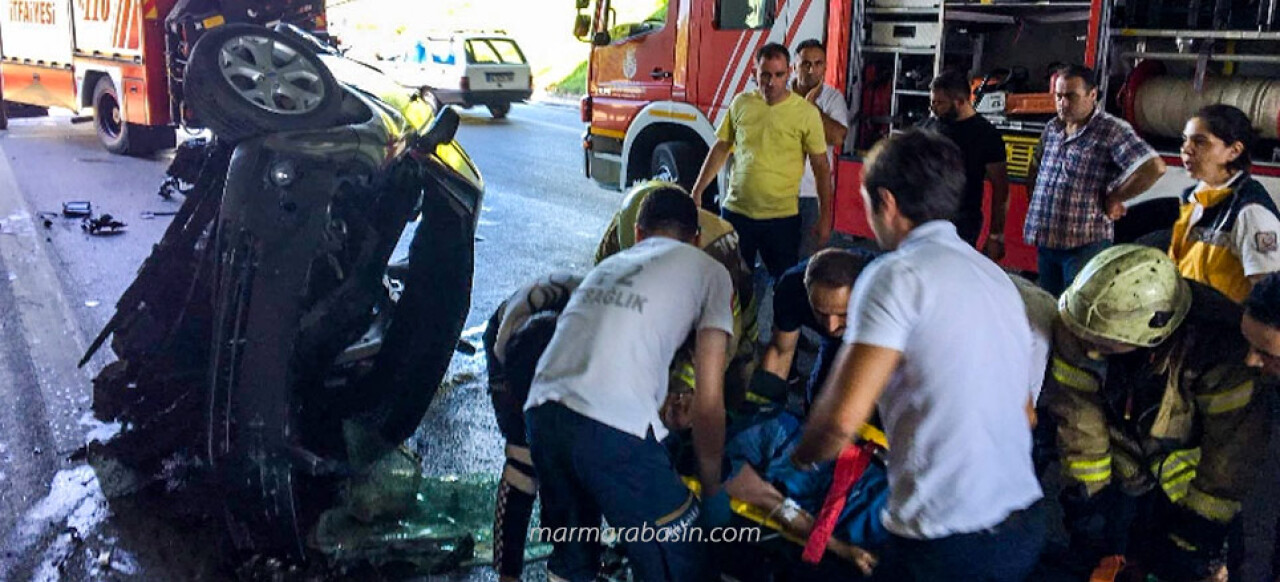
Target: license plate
<point>499,77</point>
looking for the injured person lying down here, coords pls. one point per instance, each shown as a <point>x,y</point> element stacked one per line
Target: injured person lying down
<point>761,475</point>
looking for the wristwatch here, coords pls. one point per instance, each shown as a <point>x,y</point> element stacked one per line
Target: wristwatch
<point>996,236</point>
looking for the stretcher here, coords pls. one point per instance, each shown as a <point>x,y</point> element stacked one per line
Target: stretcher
<point>870,440</point>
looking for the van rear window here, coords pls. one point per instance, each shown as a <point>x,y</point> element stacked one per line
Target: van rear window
<point>493,51</point>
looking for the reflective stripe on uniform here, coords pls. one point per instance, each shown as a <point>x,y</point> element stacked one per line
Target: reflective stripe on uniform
<point>1215,508</point>
<point>1176,471</point>
<point>1073,377</point>
<point>1227,401</point>
<point>754,398</point>
<point>1182,543</point>
<point>686,376</point>
<point>1090,471</point>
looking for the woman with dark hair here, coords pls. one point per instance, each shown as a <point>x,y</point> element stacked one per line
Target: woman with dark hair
<point>1225,236</point>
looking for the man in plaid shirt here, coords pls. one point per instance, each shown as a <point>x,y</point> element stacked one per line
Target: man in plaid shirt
<point>1087,165</point>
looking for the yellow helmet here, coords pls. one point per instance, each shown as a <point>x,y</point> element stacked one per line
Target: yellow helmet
<point>631,208</point>
<point>1130,294</point>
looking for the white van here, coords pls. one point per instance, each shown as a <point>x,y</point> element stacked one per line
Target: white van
<point>467,69</point>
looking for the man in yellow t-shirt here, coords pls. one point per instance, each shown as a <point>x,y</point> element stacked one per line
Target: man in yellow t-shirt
<point>771,132</point>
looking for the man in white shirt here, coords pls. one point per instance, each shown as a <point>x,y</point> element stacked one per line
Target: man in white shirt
<point>811,69</point>
<point>593,410</point>
<point>938,340</point>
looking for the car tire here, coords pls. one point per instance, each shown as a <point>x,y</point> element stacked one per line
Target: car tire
<point>223,101</point>
<point>500,110</point>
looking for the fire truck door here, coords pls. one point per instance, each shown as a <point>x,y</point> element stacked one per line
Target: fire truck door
<point>639,61</point>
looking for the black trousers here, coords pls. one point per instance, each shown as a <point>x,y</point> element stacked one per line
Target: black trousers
<point>776,239</point>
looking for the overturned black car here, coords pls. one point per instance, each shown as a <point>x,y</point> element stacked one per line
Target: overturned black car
<point>268,342</point>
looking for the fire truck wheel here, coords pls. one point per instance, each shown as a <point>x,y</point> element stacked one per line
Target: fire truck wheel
<point>244,80</point>
<point>117,135</point>
<point>500,110</point>
<point>679,162</point>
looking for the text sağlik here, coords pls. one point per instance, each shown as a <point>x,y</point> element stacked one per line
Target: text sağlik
<point>613,297</point>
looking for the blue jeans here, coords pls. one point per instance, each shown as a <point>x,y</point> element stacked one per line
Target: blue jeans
<point>1058,267</point>
<point>587,469</point>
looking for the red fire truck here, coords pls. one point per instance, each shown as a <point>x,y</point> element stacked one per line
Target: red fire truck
<point>123,59</point>
<point>662,73</point>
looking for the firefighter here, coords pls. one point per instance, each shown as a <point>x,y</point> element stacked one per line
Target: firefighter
<point>1158,424</point>
<point>518,332</point>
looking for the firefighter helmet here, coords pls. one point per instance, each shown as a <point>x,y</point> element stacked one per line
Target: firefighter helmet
<point>631,208</point>
<point>1129,294</point>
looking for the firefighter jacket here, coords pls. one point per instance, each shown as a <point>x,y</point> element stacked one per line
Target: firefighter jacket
<point>1183,416</point>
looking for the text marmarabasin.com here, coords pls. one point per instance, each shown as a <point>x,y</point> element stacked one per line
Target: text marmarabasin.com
<point>644,534</point>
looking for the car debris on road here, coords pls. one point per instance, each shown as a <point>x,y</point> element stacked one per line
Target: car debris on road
<point>77,209</point>
<point>103,225</point>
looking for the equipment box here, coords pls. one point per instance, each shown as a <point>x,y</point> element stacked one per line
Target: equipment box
<point>906,34</point>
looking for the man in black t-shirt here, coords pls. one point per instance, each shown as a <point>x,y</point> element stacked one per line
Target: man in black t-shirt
<point>812,294</point>
<point>984,158</point>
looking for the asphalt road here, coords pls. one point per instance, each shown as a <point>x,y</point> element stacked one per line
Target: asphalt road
<point>58,286</point>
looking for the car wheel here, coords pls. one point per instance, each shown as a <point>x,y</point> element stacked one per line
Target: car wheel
<point>244,80</point>
<point>500,110</point>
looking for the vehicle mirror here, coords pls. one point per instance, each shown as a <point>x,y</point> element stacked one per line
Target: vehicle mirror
<point>601,38</point>
<point>582,27</point>
<point>442,130</point>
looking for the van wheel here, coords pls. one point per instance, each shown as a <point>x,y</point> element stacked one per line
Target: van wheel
<point>116,134</point>
<point>244,80</point>
<point>500,110</point>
